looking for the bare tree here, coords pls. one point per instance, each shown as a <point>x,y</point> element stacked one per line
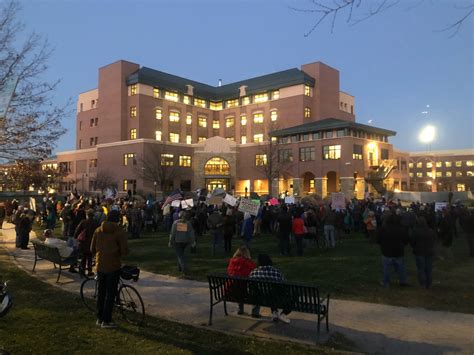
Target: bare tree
<point>356,11</point>
<point>157,167</point>
<point>28,173</point>
<point>33,123</point>
<point>104,181</point>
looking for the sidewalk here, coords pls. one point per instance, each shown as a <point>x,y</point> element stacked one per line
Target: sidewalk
<point>374,328</point>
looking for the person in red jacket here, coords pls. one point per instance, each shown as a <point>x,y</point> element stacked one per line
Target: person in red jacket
<point>241,265</point>
<point>299,232</point>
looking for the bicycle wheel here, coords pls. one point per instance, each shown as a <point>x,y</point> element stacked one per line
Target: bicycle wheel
<point>89,294</point>
<point>131,305</point>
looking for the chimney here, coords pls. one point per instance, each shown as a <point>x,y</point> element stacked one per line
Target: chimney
<point>190,90</point>
<point>220,82</point>
<point>242,90</point>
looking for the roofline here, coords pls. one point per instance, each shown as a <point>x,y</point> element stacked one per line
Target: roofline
<point>118,61</point>
<point>468,151</point>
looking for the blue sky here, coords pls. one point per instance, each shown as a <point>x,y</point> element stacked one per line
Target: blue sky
<point>395,64</point>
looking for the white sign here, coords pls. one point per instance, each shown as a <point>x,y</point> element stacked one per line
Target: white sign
<point>230,200</point>
<point>249,206</point>
<point>32,204</point>
<point>187,204</point>
<point>176,203</point>
<point>338,201</point>
<point>289,200</point>
<point>6,94</point>
<point>439,206</point>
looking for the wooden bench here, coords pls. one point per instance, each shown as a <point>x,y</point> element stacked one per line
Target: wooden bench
<point>51,253</point>
<point>283,295</point>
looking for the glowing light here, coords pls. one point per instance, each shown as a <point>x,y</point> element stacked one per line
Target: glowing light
<point>429,183</point>
<point>396,190</point>
<point>371,145</point>
<point>427,134</point>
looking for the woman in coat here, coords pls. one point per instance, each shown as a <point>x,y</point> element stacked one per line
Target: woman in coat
<point>83,234</point>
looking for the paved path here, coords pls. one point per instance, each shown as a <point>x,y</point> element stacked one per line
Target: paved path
<point>375,328</point>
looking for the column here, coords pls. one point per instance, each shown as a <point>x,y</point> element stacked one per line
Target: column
<point>297,186</point>
<point>347,186</point>
<point>321,186</point>
<point>360,187</point>
<point>275,188</point>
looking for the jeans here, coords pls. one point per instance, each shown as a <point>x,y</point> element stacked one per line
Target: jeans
<point>284,243</point>
<point>216,239</point>
<point>399,266</point>
<point>330,234</point>
<point>180,248</point>
<point>424,266</point>
<point>107,292</point>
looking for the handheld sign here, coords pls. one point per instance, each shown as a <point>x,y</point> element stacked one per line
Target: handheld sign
<point>338,201</point>
<point>230,200</point>
<point>249,206</point>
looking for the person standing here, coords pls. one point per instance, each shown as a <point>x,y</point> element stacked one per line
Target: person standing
<point>24,228</point>
<point>229,229</point>
<point>329,221</point>
<point>371,226</point>
<point>109,244</point>
<point>215,223</point>
<point>182,234</point>
<point>2,213</point>
<point>86,228</point>
<point>241,265</point>
<point>284,230</point>
<point>298,229</point>
<point>423,241</point>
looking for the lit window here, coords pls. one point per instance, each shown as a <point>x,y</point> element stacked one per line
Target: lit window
<point>307,154</point>
<point>215,124</point>
<point>232,103</point>
<point>246,100</point>
<point>410,165</point>
<point>133,111</point>
<point>260,98</point>
<point>357,152</point>
<point>470,163</point>
<point>174,137</point>
<point>129,159</point>
<point>258,138</point>
<point>274,139</point>
<point>419,165</point>
<point>167,159</point>
<point>458,173</point>
<point>201,139</point>
<point>189,139</point>
<point>230,139</point>
<point>156,92</point>
<point>274,115</point>
<point>185,160</point>
<point>174,116</point>
<point>285,155</point>
<point>307,112</point>
<point>260,159</point>
<point>419,174</point>
<point>458,164</point>
<point>133,89</point>
<point>331,152</point>
<point>243,140</point>
<point>429,174</point>
<point>186,100</point>
<point>158,135</point>
<point>133,133</point>
<point>200,102</point>
<point>172,96</point>
<point>189,119</point>
<point>258,118</point>
<point>202,122</point>
<point>243,120</point>
<point>449,174</point>
<point>307,90</point>
<point>461,187</point>
<point>276,95</point>
<point>216,166</point>
<point>229,122</point>
<point>158,113</point>
<point>448,164</point>
<point>216,105</point>
<point>438,164</point>
<point>439,174</point>
<point>411,174</point>
<point>429,165</point>
<point>129,184</point>
<point>469,173</point>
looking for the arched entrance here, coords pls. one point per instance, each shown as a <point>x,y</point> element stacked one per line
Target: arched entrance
<point>217,171</point>
<point>333,181</point>
<point>308,183</point>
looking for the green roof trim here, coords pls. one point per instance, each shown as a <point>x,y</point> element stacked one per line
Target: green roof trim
<point>328,124</point>
<point>255,85</point>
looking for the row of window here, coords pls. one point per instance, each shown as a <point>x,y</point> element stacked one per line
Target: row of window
<point>94,104</point>
<point>439,164</point>
<point>175,137</point>
<point>94,122</point>
<point>329,152</point>
<point>93,141</point>
<point>346,132</point>
<point>166,160</point>
<point>440,174</point>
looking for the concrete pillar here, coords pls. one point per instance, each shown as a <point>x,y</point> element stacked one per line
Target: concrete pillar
<point>321,186</point>
<point>347,186</point>
<point>297,186</point>
<point>360,187</point>
<point>275,188</point>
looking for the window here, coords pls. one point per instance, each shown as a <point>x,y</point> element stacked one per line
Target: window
<point>274,139</point>
<point>461,187</point>
<point>172,96</point>
<point>201,139</point>
<point>230,139</point>
<point>340,133</point>
<point>307,90</point>
<point>174,137</point>
<point>232,103</point>
<point>158,113</point>
<point>129,159</point>
<point>93,163</point>
<point>186,100</point>
<point>470,163</point>
<point>158,135</point>
<point>327,134</point>
<point>419,165</point>
<point>91,123</point>
<point>80,125</point>
<point>258,138</point>
<point>438,164</point>
<point>307,112</point>
<point>215,124</point>
<point>260,159</point>
<point>458,173</point>
<point>260,98</point>
<point>307,154</point>
<point>200,102</point>
<point>448,164</point>
<point>243,120</point>
<point>429,174</point>
<point>458,164</point>
<point>243,140</point>
<point>276,94</point>
<point>129,185</point>
<point>429,165</point>
<point>91,142</point>
<point>80,143</point>
<point>469,173</point>
<point>419,175</point>
<point>258,118</point>
<point>410,174</point>
<point>92,103</point>
<point>185,161</point>
<point>316,135</point>
<point>216,105</point>
<point>273,115</point>
<point>96,140</point>
<point>331,152</point>
<point>133,89</point>
<point>384,154</point>
<point>246,100</point>
<point>357,153</point>
<point>439,174</point>
<point>133,111</point>
<point>216,166</point>
<point>174,116</point>
<point>449,174</point>
<point>156,92</point>
<point>285,155</point>
<point>81,107</point>
<point>410,165</point>
<point>133,133</point>
<point>202,122</point>
<point>189,119</point>
<point>229,122</point>
<point>96,121</point>
<point>189,139</point>
<point>167,159</point>
<point>304,137</point>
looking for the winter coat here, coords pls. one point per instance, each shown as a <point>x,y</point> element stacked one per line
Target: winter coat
<point>109,244</point>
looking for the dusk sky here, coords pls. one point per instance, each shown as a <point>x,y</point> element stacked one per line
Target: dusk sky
<point>395,64</point>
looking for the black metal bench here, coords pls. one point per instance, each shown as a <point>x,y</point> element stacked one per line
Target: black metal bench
<point>51,253</point>
<point>283,295</point>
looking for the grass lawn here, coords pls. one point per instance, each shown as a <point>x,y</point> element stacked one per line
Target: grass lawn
<point>47,320</point>
<point>351,271</point>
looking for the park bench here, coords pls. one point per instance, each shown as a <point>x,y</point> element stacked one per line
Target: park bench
<point>292,296</point>
<point>51,253</point>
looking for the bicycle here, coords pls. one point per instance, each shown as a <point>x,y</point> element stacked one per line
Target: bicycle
<point>128,301</point>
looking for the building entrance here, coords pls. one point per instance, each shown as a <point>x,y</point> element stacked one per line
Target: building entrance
<point>212,184</point>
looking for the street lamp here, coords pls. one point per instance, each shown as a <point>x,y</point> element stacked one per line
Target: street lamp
<point>427,134</point>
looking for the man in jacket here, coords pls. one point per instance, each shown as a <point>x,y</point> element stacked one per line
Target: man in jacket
<point>182,234</point>
<point>284,230</point>
<point>109,244</point>
<point>423,241</point>
<point>215,223</point>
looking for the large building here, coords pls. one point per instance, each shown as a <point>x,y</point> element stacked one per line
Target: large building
<point>292,131</point>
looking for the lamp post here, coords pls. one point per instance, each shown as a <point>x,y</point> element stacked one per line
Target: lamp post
<point>154,184</point>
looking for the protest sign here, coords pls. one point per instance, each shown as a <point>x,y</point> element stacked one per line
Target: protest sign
<point>32,204</point>
<point>289,200</point>
<point>176,203</point>
<point>439,206</point>
<point>338,201</point>
<point>214,200</point>
<point>230,200</point>
<point>187,203</point>
<point>249,206</point>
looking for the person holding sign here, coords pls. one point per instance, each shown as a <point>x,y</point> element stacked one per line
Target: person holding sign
<point>182,234</point>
